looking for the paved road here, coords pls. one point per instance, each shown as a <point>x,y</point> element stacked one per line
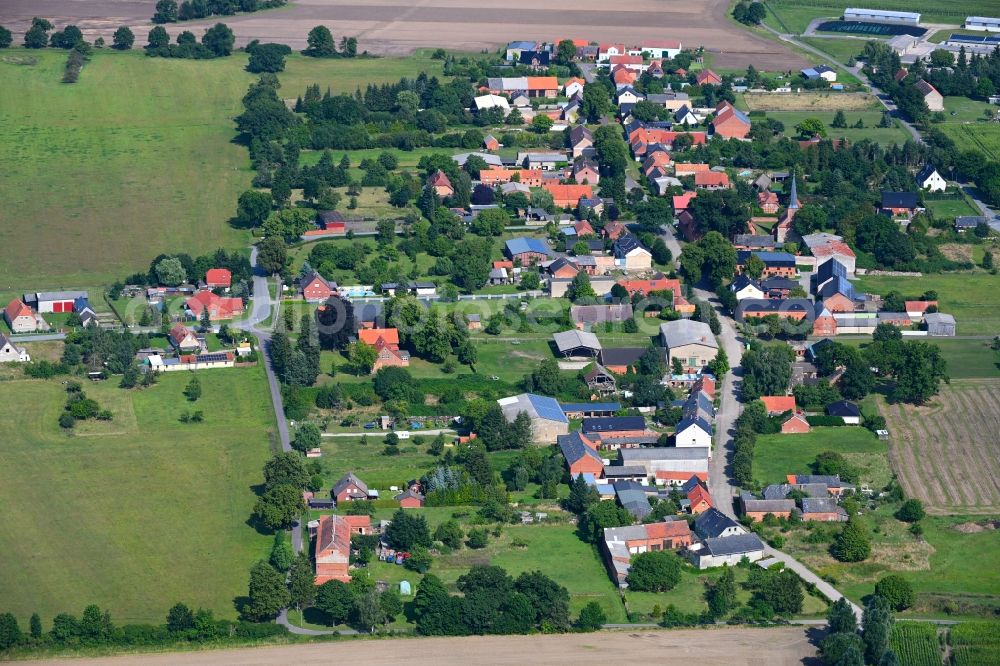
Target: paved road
<point>302,631</point>
<point>260,310</point>
<point>720,485</point>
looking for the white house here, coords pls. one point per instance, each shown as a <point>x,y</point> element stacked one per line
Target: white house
<point>11,353</point>
<point>573,87</point>
<point>929,179</point>
<point>660,48</point>
<point>745,287</point>
<point>693,432</point>
<point>727,550</point>
<point>628,95</point>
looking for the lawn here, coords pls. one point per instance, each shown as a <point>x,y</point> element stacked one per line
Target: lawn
<point>137,513</point>
<point>347,76</point>
<point>841,49</point>
<point>972,298</point>
<point>949,209</point>
<point>883,135</point>
<point>132,145</point>
<point>777,456</point>
<point>983,137</point>
<point>963,109</point>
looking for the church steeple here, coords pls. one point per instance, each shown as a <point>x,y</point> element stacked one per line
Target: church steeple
<point>793,197</point>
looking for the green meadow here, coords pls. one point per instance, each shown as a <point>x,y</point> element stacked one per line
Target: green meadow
<point>137,513</point>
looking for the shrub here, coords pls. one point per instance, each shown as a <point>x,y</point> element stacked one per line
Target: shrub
<point>911,511</point>
<point>897,591</point>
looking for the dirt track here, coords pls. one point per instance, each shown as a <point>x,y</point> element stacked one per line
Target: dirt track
<point>398,26</point>
<point>709,647</point>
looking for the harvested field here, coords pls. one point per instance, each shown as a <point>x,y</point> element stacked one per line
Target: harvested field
<point>394,27</point>
<point>946,454</point>
<point>711,647</point>
<point>809,101</point>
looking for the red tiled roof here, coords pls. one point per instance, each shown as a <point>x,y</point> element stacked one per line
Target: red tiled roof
<point>370,336</point>
<point>543,83</point>
<point>218,307</point>
<point>669,528</point>
<point>622,75</point>
<point>218,277</point>
<point>439,179</point>
<point>682,201</point>
<point>625,60</point>
<point>17,308</point>
<point>767,197</point>
<point>569,192</point>
<point>713,178</point>
<point>699,494</point>
<point>681,476</point>
<point>778,403</point>
<point>919,306</point>
<point>707,76</point>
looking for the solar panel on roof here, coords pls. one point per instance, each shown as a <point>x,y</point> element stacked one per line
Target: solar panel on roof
<point>547,408</point>
<point>210,358</point>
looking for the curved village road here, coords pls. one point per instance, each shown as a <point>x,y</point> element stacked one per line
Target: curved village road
<point>719,486</point>
<point>261,309</point>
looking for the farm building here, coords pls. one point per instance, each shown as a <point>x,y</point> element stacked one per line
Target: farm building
<point>588,315</point>
<point>846,410</point>
<point>984,23</point>
<point>755,509</point>
<point>881,16</point>
<point>527,250</point>
<point>410,500</point>
<point>690,460</point>
<point>820,72</point>
<point>621,543</point>
<point>45,302</point>
<point>581,454</point>
<point>631,495</point>
<point>933,98</point>
<point>577,343</point>
<point>939,324</point>
<point>729,550</point>
<point>615,426</point>
<point>548,420</point>
<point>822,509</point>
<point>579,410</point>
<point>620,359</point>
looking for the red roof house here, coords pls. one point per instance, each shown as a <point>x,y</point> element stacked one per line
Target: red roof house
<point>795,424</point>
<point>333,545</point>
<point>219,278</point>
<point>707,76</point>
<point>20,317</point>
<point>700,499</point>
<point>712,180</point>
<point>440,183</point>
<point>218,307</point>
<point>682,201</point>
<point>568,196</point>
<point>778,404</point>
<point>316,288</point>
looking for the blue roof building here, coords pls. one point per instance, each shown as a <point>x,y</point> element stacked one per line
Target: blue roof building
<point>524,245</point>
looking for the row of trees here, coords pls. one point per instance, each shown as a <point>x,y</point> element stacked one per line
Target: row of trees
<point>169,11</point>
<point>217,42</point>
<point>94,627</point>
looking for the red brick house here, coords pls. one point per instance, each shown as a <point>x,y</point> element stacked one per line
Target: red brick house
<point>824,325</point>
<point>410,500</point>
<point>218,278</point>
<point>333,546</point>
<point>491,144</point>
<point>583,229</point>
<point>795,424</point>
<point>580,452</point>
<point>350,488</point>
<point>562,268</point>
<point>386,343</point>
<point>840,303</point>
<point>768,201</point>
<point>699,499</point>
<point>317,289</point>
<point>183,339</point>
<point>730,123</point>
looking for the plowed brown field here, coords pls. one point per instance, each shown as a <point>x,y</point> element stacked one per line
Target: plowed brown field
<point>399,26</point>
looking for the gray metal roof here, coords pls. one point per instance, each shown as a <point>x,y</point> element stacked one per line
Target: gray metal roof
<point>734,545</point>
<point>575,339</point>
<point>712,523</point>
<point>664,453</point>
<point>687,332</point>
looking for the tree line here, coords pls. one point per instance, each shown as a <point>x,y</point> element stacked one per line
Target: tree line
<point>169,11</point>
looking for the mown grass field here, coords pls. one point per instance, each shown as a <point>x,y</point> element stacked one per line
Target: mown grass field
<point>971,297</point>
<point>841,49</point>
<point>137,513</point>
<point>777,456</point>
<point>883,135</point>
<point>133,160</point>
<point>102,175</point>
